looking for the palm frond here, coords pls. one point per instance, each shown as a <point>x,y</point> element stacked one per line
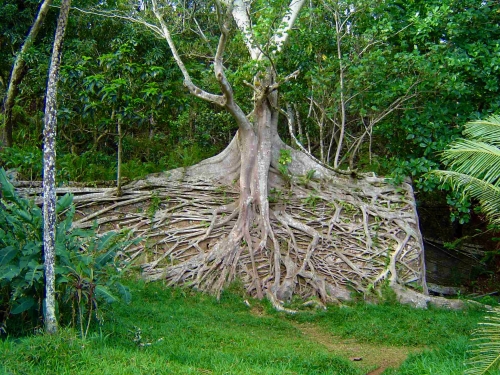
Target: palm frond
<point>475,158</point>
<point>487,194</point>
<point>474,165</point>
<point>484,354</point>
<point>484,130</point>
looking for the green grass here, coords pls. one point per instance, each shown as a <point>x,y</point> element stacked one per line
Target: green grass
<point>394,324</point>
<point>443,335</point>
<point>183,332</point>
<point>447,359</point>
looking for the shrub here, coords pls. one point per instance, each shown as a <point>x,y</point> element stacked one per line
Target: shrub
<point>87,265</point>
<point>27,161</point>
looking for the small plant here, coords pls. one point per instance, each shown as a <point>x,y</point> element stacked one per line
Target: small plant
<point>285,157</point>
<point>284,160</point>
<point>154,205</point>
<point>277,195</point>
<point>311,200</point>
<point>27,161</point>
<point>348,208</point>
<point>307,178</point>
<point>87,267</point>
<point>138,339</point>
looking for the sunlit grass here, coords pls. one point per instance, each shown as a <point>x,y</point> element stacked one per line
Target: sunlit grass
<point>174,331</point>
<point>170,331</point>
<point>394,324</point>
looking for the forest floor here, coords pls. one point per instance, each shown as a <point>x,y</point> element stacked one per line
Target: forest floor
<point>177,331</point>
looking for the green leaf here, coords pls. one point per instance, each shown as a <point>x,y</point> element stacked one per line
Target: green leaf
<point>24,304</point>
<point>64,202</point>
<point>124,292</point>
<point>7,254</point>
<point>35,272</point>
<point>106,241</point>
<point>103,259</point>
<point>32,248</point>
<point>474,165</point>
<point>484,354</point>
<point>8,273</point>
<point>7,188</point>
<point>25,215</point>
<point>103,292</point>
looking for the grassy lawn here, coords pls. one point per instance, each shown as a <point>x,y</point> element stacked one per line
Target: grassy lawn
<point>173,331</point>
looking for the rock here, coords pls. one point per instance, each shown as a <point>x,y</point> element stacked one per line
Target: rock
<point>450,304</point>
<point>411,297</point>
<point>443,290</point>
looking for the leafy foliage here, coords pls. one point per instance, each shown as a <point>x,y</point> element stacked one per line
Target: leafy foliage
<point>474,165</point>
<point>485,351</point>
<point>284,160</point>
<point>87,266</point>
<point>26,161</point>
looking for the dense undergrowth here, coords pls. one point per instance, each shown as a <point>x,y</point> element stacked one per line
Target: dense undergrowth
<point>87,272</point>
<point>176,331</point>
<point>91,166</point>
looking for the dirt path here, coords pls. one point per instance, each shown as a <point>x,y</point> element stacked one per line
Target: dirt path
<point>375,359</point>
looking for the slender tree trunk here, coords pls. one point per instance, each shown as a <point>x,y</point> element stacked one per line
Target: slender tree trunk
<point>338,26</point>
<point>119,161</point>
<point>49,169</point>
<point>322,138</point>
<point>17,74</point>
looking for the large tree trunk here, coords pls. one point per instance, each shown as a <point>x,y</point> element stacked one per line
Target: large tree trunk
<point>323,235</point>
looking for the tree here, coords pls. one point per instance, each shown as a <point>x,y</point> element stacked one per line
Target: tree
<point>49,169</point>
<point>18,73</point>
<point>474,165</point>
<point>454,45</point>
<point>354,79</point>
<point>281,249</point>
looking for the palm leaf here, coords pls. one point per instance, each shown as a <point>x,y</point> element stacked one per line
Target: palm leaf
<point>487,131</point>
<point>484,354</point>
<point>487,194</point>
<point>474,165</point>
<point>474,158</point>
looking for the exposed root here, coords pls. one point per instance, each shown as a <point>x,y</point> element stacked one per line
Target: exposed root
<point>325,240</point>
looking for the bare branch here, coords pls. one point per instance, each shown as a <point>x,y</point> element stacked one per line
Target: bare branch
<point>116,14</point>
<point>226,88</point>
<point>195,90</point>
<point>293,75</point>
<point>290,118</point>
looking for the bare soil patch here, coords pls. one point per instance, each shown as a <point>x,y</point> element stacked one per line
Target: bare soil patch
<point>375,359</point>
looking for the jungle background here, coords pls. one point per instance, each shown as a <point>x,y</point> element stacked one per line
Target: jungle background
<point>384,87</point>
<point>411,75</point>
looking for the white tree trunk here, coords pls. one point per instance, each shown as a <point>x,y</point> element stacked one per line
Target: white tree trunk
<point>49,172</point>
